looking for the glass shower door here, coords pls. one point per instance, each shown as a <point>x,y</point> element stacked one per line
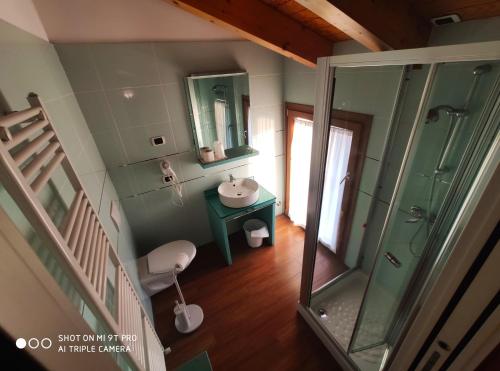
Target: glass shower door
<point>433,186</point>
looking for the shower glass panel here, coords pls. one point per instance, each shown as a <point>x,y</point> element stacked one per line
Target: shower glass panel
<point>360,121</point>
<point>430,127</point>
<point>427,201</point>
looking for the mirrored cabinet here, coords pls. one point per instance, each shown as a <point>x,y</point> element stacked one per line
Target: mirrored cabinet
<point>219,107</point>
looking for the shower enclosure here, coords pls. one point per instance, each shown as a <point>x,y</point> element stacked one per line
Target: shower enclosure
<point>435,121</point>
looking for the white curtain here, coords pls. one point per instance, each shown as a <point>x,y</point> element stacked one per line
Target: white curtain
<point>220,121</point>
<point>263,138</point>
<point>339,147</point>
<point>300,163</point>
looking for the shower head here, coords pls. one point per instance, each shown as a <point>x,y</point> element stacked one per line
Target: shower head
<point>433,114</point>
<point>479,70</point>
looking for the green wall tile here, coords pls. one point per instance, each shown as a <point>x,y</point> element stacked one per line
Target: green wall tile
<point>93,186</point>
<point>79,66</point>
<point>266,90</point>
<point>29,64</point>
<point>137,142</point>
<point>177,60</point>
<point>145,106</point>
<point>125,64</point>
<point>358,90</point>
<point>369,176</point>
<point>177,108</point>
<point>372,235</point>
<point>299,83</point>
<point>272,115</point>
<point>96,111</point>
<point>363,203</point>
<point>123,180</point>
<point>111,148</point>
<point>108,195</point>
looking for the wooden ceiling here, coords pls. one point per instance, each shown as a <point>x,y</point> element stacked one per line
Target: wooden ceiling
<point>425,9</point>
<point>308,19</point>
<point>307,29</point>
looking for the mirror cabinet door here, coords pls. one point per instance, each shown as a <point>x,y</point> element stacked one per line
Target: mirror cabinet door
<point>219,108</point>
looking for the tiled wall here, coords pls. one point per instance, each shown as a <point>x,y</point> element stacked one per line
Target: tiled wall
<point>359,90</point>
<point>451,86</point>
<point>356,91</point>
<point>389,170</point>
<point>29,64</point>
<point>130,92</point>
<point>299,83</point>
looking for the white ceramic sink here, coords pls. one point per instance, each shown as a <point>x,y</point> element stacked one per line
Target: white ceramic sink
<point>239,192</point>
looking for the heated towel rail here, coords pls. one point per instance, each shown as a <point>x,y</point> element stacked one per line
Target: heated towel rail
<point>30,155</point>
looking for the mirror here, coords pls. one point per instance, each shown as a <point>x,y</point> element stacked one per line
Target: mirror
<point>219,106</point>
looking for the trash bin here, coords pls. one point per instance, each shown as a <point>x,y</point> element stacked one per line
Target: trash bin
<point>255,232</point>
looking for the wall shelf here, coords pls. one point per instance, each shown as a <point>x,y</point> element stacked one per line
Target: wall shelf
<point>233,154</point>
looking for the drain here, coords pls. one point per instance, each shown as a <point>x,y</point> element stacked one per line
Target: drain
<point>239,194</point>
<point>322,313</point>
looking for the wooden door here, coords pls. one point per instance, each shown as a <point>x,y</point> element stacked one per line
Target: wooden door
<point>359,124</point>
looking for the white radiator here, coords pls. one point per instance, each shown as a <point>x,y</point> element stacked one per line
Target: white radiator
<point>30,154</point>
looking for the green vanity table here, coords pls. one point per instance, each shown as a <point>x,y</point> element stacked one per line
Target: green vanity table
<point>220,215</point>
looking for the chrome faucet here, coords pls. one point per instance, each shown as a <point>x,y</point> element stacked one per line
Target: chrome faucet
<point>231,178</point>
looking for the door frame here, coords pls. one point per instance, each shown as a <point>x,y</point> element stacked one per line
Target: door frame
<point>245,104</point>
<point>360,124</point>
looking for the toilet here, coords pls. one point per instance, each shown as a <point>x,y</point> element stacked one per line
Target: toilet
<point>158,270</point>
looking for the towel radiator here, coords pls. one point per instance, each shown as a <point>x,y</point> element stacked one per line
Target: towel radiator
<point>30,155</point>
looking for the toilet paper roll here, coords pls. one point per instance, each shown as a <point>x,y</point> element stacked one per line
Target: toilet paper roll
<point>181,261</point>
<point>219,150</point>
<point>207,155</point>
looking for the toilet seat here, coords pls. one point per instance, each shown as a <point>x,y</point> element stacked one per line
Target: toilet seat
<point>158,270</point>
<point>164,258</point>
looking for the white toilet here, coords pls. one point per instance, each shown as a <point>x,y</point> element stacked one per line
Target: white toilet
<point>158,270</point>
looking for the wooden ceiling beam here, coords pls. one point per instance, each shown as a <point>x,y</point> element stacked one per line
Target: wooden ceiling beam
<point>264,25</point>
<point>376,24</point>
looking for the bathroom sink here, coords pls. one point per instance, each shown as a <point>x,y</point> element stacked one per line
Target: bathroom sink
<point>238,192</point>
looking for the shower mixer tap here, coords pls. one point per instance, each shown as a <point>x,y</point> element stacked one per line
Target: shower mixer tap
<point>417,214</point>
<point>433,114</point>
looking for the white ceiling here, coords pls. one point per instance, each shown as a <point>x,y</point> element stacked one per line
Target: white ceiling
<point>23,14</point>
<point>123,20</point>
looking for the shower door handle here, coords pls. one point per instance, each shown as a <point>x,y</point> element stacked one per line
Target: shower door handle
<point>347,177</point>
<point>392,259</point>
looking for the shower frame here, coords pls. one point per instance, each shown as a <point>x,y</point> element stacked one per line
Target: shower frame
<point>325,90</point>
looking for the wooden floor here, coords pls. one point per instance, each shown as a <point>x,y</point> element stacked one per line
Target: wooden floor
<point>251,321</point>
<point>327,266</point>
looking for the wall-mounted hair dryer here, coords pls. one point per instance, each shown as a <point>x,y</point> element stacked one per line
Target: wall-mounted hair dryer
<point>170,178</point>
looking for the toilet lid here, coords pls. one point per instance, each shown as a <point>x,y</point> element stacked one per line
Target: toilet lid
<point>164,258</point>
